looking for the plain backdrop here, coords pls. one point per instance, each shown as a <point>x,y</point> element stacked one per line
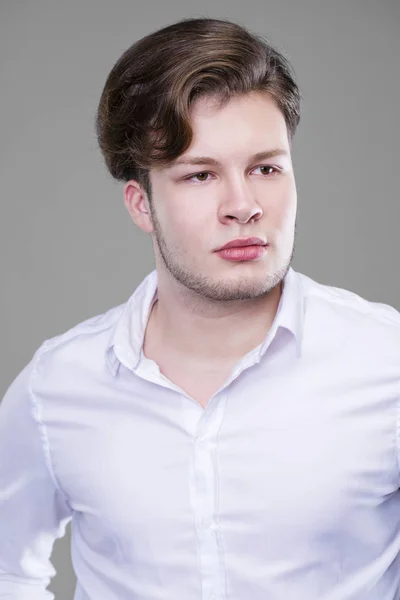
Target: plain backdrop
<point>69,249</point>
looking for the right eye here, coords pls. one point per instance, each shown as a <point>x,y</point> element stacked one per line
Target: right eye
<point>200,177</point>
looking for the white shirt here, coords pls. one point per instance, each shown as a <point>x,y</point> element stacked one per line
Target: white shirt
<point>285,487</point>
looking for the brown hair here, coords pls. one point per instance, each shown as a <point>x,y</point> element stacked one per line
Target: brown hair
<point>143,114</point>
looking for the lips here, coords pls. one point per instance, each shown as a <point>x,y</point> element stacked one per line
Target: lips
<point>240,243</point>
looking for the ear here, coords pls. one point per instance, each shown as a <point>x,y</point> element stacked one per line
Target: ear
<point>137,204</point>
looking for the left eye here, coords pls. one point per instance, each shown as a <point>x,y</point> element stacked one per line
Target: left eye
<point>267,168</point>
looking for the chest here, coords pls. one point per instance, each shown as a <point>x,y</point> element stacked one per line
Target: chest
<point>199,381</point>
<point>297,468</point>
<point>199,384</point>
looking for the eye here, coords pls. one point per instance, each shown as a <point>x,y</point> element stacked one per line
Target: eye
<point>201,177</point>
<point>268,169</point>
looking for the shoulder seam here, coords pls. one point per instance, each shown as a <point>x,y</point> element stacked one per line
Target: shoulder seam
<point>53,342</point>
<point>41,426</point>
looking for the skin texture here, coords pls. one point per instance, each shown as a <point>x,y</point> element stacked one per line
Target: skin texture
<point>209,310</point>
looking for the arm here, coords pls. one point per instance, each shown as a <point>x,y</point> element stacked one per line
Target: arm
<point>33,510</point>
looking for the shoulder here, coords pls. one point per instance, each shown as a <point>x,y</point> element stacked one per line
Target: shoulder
<point>81,346</point>
<point>340,314</point>
<point>347,302</point>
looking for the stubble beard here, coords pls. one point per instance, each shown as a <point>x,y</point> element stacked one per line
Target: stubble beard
<point>243,288</point>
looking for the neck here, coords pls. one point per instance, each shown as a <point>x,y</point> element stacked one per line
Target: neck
<point>194,329</point>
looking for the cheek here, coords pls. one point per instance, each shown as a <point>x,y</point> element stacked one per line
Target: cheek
<point>192,218</point>
<point>282,210</point>
<point>187,228</point>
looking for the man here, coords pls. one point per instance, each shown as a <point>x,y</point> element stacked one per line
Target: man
<point>232,431</point>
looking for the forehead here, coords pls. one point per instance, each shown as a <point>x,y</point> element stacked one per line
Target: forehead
<point>243,119</point>
<point>208,103</point>
<point>242,127</point>
<point>212,107</point>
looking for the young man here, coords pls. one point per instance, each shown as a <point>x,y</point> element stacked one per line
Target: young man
<point>232,431</point>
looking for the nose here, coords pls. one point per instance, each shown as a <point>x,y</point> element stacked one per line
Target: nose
<point>239,203</point>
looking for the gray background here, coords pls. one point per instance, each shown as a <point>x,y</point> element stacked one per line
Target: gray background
<point>68,247</point>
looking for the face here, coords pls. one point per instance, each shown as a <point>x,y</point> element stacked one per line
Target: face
<point>218,191</point>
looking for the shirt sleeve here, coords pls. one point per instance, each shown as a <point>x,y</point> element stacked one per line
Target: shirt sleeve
<point>33,510</point>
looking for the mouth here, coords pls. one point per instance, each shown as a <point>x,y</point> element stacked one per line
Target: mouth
<point>243,253</point>
<point>243,243</point>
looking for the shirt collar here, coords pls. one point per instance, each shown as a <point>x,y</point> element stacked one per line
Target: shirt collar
<point>290,313</point>
<point>127,336</point>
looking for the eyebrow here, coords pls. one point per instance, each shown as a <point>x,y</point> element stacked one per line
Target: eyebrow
<point>208,160</point>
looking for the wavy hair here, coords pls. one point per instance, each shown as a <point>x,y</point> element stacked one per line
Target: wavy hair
<point>143,117</point>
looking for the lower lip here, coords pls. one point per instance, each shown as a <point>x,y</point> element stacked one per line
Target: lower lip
<point>242,253</point>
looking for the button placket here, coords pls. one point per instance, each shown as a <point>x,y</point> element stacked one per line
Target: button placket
<point>205,495</point>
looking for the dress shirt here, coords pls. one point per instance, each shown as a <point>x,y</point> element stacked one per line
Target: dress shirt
<point>285,487</point>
